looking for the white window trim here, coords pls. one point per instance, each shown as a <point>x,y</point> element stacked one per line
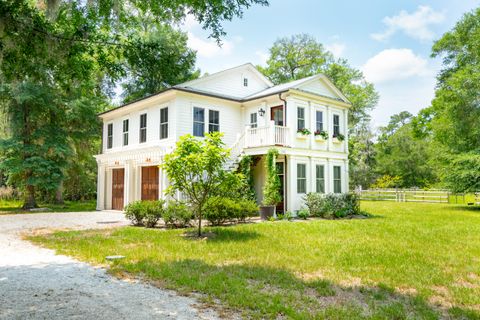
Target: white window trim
<point>127,132</point>
<point>140,128</point>
<point>162,123</point>
<point>113,127</point>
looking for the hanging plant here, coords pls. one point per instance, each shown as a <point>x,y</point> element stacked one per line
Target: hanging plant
<point>271,190</point>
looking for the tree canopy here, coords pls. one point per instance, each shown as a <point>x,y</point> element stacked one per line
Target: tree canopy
<point>61,60</point>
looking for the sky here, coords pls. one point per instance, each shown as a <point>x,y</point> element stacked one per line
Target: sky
<point>390,41</point>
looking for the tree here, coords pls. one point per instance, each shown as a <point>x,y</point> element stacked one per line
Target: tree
<point>455,110</point>
<point>196,169</point>
<point>463,173</point>
<point>300,56</point>
<point>61,57</point>
<point>399,153</point>
<point>157,60</point>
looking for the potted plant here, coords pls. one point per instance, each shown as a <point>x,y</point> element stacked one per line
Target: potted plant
<point>321,135</point>
<point>303,133</point>
<point>271,189</point>
<point>337,138</point>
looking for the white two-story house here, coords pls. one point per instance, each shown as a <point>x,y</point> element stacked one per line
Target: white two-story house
<point>254,116</point>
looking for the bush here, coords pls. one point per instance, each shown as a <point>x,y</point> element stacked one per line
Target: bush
<point>144,213</point>
<point>177,215</point>
<point>153,212</point>
<point>332,205</point>
<point>303,214</point>
<point>135,213</point>
<point>219,210</point>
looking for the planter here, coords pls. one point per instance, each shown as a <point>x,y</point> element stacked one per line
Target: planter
<point>301,135</point>
<point>320,139</point>
<point>336,140</point>
<point>266,212</point>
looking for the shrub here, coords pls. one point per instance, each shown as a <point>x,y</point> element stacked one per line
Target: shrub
<point>220,210</point>
<point>303,214</point>
<point>153,212</point>
<point>144,213</point>
<point>135,213</point>
<point>177,215</point>
<point>332,205</point>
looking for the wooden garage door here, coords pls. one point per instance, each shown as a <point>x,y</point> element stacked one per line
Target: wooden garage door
<point>118,176</point>
<point>150,183</point>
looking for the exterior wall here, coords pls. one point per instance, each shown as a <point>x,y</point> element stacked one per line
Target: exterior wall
<point>231,84</point>
<point>230,115</point>
<point>294,198</point>
<point>153,128</point>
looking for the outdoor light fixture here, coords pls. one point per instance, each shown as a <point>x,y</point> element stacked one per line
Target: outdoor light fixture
<point>261,112</point>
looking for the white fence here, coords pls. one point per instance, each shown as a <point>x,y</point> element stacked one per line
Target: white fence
<point>405,195</point>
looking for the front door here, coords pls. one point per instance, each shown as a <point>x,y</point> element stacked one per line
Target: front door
<point>118,176</point>
<point>281,176</point>
<point>276,114</point>
<point>150,183</point>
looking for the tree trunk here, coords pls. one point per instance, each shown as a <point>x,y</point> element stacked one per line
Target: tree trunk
<point>200,223</point>
<point>59,194</point>
<point>30,202</point>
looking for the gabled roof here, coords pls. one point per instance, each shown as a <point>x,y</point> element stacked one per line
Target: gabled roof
<point>299,85</point>
<point>249,66</point>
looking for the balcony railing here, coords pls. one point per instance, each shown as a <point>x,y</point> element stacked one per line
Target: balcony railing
<point>270,135</point>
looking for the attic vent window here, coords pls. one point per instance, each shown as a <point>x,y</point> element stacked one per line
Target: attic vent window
<point>245,82</point>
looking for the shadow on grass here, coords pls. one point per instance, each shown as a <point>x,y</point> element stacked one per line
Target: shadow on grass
<point>475,208</point>
<point>269,293</point>
<point>221,234</point>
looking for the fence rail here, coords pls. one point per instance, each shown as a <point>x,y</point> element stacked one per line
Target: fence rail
<point>417,195</point>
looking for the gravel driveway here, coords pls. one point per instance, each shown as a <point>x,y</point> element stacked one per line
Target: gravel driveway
<point>35,283</point>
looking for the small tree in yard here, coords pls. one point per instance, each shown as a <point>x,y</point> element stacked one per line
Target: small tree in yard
<point>271,189</point>
<point>196,169</point>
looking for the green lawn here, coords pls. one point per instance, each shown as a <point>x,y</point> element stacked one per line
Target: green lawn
<point>411,260</point>
<point>15,206</point>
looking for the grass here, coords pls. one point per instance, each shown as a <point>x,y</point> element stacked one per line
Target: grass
<point>15,206</point>
<point>409,261</point>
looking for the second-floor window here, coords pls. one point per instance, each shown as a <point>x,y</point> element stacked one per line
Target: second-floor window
<point>213,121</point>
<point>143,127</point>
<point>198,122</point>
<point>253,120</point>
<point>245,82</point>
<point>320,176</point>
<point>300,118</point>
<point>109,135</point>
<point>164,123</point>
<point>125,132</point>
<point>337,179</point>
<point>319,121</point>
<point>336,125</point>
<point>301,178</point>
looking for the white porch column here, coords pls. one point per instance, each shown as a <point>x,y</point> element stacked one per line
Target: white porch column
<point>329,128</point>
<point>108,191</point>
<point>328,178</point>
<point>311,178</point>
<point>347,178</point>
<point>290,180</point>
<point>127,183</point>
<point>101,187</point>
<point>345,120</point>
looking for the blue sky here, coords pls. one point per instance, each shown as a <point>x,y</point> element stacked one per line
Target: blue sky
<point>390,41</point>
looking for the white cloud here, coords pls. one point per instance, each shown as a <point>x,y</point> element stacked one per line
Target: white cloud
<point>394,64</point>
<point>416,24</point>
<point>336,48</point>
<point>209,48</point>
<point>263,56</point>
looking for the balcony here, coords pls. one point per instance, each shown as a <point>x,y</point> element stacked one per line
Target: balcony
<point>270,135</point>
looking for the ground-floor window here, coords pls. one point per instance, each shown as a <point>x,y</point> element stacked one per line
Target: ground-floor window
<point>337,179</point>
<point>320,176</point>
<point>301,178</point>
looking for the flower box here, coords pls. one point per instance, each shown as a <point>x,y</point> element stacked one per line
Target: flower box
<point>302,136</point>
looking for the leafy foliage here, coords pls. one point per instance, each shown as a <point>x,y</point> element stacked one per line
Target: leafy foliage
<point>219,210</point>
<point>463,173</point>
<point>386,181</point>
<point>271,189</point>
<point>196,169</point>
<point>177,214</point>
<point>157,60</point>
<point>332,205</point>
<point>145,213</point>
